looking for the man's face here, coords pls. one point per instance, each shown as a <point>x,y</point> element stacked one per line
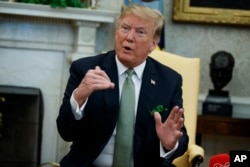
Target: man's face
<point>134,40</point>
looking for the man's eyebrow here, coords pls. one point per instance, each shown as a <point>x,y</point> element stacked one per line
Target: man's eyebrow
<point>141,28</point>
<point>124,23</point>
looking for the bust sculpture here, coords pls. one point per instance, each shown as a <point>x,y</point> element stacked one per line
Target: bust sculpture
<point>218,101</point>
<point>221,69</point>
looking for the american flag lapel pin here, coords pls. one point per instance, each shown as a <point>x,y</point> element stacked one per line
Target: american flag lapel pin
<point>152,82</point>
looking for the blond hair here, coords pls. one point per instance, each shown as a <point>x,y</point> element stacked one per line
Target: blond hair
<point>146,13</point>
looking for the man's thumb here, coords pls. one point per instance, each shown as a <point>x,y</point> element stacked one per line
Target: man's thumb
<point>157,117</point>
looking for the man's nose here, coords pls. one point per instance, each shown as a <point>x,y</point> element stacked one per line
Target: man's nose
<point>130,36</point>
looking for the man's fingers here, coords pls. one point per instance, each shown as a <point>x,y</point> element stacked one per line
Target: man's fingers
<point>173,112</point>
<point>100,74</point>
<point>180,123</point>
<point>97,68</point>
<point>178,114</point>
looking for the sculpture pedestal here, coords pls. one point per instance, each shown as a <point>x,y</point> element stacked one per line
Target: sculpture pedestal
<point>217,103</point>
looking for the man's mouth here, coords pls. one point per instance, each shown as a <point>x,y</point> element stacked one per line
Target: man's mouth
<point>127,48</point>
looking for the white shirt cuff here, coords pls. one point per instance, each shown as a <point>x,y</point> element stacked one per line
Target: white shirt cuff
<point>165,155</point>
<point>77,111</point>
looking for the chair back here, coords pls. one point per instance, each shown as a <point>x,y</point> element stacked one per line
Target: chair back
<point>189,69</point>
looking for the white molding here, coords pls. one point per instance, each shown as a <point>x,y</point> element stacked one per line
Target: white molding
<point>69,13</point>
<point>84,21</point>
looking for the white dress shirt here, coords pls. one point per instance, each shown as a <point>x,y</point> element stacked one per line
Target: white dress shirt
<point>106,157</point>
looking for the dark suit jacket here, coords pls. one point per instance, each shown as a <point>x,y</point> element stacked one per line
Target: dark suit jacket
<point>92,132</point>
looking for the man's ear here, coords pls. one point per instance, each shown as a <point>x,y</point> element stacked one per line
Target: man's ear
<point>153,44</point>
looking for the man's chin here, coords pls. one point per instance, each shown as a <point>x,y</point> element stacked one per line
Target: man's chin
<point>126,61</point>
<point>125,55</point>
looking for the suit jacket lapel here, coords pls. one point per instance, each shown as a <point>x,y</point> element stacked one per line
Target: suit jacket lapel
<point>148,90</point>
<point>145,124</point>
<point>112,96</point>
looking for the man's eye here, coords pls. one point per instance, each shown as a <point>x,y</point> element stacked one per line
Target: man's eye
<point>141,32</point>
<point>125,28</point>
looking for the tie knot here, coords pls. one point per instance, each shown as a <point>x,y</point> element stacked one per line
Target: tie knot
<point>130,72</point>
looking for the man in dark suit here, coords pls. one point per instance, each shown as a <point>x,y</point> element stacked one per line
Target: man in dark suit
<point>90,110</point>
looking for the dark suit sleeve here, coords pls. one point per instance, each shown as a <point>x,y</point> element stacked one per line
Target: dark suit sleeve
<point>68,127</point>
<point>66,124</point>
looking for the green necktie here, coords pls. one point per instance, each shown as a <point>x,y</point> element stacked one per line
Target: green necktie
<point>125,124</point>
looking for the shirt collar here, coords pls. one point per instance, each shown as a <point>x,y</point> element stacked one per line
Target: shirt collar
<point>138,69</point>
